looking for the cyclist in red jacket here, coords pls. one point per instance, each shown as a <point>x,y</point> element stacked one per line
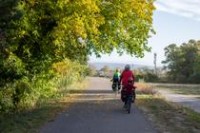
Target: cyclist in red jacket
<point>127,80</point>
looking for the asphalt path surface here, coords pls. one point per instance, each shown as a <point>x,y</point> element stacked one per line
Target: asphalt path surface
<point>99,110</point>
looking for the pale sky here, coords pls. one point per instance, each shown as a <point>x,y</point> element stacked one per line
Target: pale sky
<point>175,21</point>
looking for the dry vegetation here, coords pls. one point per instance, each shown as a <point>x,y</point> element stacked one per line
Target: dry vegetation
<point>167,117</point>
<point>184,89</point>
<point>143,88</point>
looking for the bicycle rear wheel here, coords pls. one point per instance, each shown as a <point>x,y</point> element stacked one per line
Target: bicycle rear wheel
<point>129,102</point>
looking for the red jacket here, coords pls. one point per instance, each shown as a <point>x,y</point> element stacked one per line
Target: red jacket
<point>126,74</point>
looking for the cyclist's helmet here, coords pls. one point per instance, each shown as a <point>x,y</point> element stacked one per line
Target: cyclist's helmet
<point>127,67</point>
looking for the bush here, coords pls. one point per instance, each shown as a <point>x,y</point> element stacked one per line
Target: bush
<point>143,88</point>
<point>151,77</point>
<point>20,96</point>
<point>181,78</point>
<point>69,71</point>
<point>194,78</point>
<point>139,77</point>
<point>27,92</point>
<point>5,98</point>
<point>11,69</point>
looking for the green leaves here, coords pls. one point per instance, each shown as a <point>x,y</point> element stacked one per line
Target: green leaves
<point>127,24</point>
<point>182,62</point>
<point>54,27</point>
<point>51,30</point>
<point>38,34</point>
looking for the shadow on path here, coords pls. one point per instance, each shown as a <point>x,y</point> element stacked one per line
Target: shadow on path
<point>98,111</point>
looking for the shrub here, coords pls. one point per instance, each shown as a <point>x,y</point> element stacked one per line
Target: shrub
<point>22,91</point>
<point>143,88</point>
<point>32,90</point>
<point>68,72</point>
<point>11,69</point>
<point>151,77</point>
<point>194,78</point>
<point>5,98</point>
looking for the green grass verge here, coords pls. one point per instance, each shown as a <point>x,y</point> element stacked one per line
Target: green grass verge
<point>169,117</point>
<point>186,90</point>
<point>31,121</point>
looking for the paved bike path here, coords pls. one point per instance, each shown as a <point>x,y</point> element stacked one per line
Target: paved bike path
<point>98,111</point>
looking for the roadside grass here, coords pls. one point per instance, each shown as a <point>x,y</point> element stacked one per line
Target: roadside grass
<point>185,90</point>
<point>142,88</point>
<point>167,116</point>
<point>30,121</point>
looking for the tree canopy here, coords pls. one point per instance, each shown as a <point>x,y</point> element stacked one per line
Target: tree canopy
<point>47,41</point>
<point>64,28</point>
<point>183,62</point>
<point>39,33</point>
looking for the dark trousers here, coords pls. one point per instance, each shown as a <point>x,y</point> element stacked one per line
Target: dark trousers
<point>116,81</point>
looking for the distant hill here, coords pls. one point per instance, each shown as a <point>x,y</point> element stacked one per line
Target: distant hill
<point>100,65</point>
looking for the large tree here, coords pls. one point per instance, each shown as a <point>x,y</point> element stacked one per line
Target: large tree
<point>40,32</point>
<point>182,62</point>
<point>44,41</point>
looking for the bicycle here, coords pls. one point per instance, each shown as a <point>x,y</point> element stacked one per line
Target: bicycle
<point>128,102</point>
<point>128,99</point>
<point>115,87</point>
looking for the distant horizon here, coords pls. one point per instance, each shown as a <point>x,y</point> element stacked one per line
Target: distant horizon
<point>115,62</point>
<point>113,65</point>
<point>124,63</point>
